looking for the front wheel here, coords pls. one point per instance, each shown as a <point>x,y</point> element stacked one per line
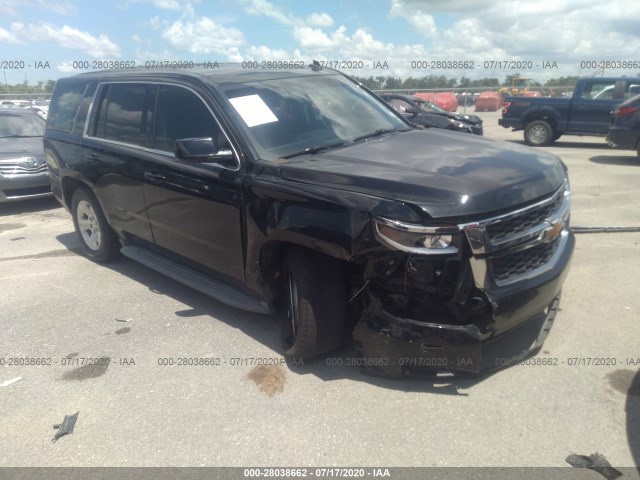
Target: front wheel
<point>314,288</point>
<point>538,134</point>
<point>97,240</point>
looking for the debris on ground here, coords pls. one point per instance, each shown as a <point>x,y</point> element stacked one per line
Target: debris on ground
<point>596,462</point>
<point>66,427</point>
<point>6,383</point>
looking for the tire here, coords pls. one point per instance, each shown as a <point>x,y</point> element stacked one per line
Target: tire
<point>315,293</point>
<point>97,239</point>
<point>538,134</point>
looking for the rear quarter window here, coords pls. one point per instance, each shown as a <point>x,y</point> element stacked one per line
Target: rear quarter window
<point>64,107</point>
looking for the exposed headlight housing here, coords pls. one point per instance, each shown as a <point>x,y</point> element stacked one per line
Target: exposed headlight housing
<point>416,238</point>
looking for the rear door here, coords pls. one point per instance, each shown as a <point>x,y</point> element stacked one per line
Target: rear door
<point>591,107</point>
<point>117,133</point>
<point>194,208</point>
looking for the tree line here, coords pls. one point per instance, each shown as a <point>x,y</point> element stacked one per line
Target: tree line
<point>435,81</point>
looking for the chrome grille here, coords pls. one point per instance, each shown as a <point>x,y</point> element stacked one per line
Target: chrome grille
<point>523,222</point>
<point>14,168</point>
<point>521,244</point>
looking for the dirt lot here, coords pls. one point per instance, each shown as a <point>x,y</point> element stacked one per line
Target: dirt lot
<point>110,332</point>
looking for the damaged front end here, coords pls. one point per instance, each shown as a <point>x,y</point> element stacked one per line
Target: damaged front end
<point>464,298</point>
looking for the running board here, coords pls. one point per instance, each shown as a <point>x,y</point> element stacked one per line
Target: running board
<point>204,284</point>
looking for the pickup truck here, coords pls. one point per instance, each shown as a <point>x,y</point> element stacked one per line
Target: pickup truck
<point>587,112</point>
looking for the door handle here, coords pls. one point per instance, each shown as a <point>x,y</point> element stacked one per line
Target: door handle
<point>93,158</point>
<point>154,177</point>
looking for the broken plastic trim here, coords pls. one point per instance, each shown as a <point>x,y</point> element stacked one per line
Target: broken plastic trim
<point>66,427</point>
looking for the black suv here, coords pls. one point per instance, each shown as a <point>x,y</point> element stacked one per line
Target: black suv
<point>436,250</point>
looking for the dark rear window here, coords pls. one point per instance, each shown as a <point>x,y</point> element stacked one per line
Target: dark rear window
<point>122,113</point>
<point>64,106</point>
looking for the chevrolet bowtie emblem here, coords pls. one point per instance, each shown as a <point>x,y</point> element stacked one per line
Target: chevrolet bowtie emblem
<point>552,232</point>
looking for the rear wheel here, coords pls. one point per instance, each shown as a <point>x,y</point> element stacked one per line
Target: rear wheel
<point>538,133</point>
<point>97,240</point>
<point>315,294</point>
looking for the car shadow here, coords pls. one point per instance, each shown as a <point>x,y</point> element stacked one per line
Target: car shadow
<point>569,144</point>
<point>29,206</point>
<point>618,160</point>
<point>632,409</point>
<point>265,329</point>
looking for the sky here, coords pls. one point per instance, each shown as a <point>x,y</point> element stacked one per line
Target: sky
<point>44,40</point>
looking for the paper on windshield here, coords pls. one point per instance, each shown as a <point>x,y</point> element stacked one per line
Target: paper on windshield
<point>253,110</point>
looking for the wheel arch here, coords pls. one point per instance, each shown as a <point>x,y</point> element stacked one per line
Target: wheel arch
<point>273,253</point>
<point>545,115</point>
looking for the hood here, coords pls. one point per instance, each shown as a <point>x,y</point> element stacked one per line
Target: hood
<point>17,147</point>
<point>443,173</point>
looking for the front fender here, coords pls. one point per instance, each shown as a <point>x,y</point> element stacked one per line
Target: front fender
<point>334,222</point>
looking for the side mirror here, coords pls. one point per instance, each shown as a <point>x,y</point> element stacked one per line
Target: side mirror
<point>203,150</point>
<point>412,111</point>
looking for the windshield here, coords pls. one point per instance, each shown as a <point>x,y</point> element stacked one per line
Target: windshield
<point>289,115</point>
<point>21,126</point>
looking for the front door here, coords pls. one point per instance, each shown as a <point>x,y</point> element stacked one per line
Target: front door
<point>194,208</point>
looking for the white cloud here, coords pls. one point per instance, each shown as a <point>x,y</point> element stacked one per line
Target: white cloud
<point>412,11</point>
<point>167,4</point>
<point>12,7</point>
<point>204,36</point>
<point>67,37</point>
<point>8,37</point>
<point>180,5</point>
<point>545,30</point>
<point>67,67</point>
<point>319,20</point>
<point>265,53</point>
<point>267,9</point>
<point>312,38</point>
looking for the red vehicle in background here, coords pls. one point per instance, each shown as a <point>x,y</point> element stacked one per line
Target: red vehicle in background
<point>445,100</point>
<point>488,101</point>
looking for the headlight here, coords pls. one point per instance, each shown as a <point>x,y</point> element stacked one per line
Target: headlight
<point>416,238</point>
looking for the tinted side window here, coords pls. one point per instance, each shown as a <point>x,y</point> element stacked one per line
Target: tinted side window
<point>122,114</point>
<point>181,114</point>
<point>64,107</point>
<point>599,90</point>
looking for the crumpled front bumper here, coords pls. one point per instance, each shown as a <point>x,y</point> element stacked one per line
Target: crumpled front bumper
<point>523,315</point>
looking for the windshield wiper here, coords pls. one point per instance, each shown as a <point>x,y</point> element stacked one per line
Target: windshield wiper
<point>313,149</point>
<point>379,132</point>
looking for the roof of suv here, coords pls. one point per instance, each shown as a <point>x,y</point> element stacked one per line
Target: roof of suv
<point>223,73</point>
